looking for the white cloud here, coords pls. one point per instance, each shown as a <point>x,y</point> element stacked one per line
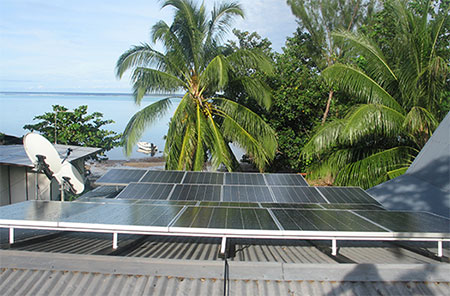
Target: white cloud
<point>61,45</point>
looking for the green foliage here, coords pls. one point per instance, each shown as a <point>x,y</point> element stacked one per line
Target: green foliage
<point>319,18</point>
<point>402,89</point>
<point>297,104</point>
<point>194,62</point>
<point>76,127</point>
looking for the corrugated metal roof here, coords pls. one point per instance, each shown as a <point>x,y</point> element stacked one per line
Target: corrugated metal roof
<point>31,273</point>
<point>15,154</point>
<point>51,282</point>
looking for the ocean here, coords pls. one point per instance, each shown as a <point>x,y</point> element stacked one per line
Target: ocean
<point>19,109</point>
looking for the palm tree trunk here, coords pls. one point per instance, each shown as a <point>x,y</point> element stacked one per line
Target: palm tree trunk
<point>327,108</point>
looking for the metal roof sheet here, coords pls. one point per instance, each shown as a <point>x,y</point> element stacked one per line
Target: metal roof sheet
<point>15,154</point>
<point>25,273</point>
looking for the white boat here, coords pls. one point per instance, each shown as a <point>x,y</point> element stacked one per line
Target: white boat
<point>147,147</point>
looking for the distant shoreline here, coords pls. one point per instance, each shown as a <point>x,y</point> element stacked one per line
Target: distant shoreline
<point>79,93</point>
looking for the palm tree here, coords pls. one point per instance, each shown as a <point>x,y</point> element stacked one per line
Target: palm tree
<point>193,62</point>
<point>400,103</point>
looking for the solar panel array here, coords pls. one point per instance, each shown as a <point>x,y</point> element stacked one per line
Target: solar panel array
<point>143,217</point>
<point>231,187</point>
<point>246,193</point>
<point>119,176</point>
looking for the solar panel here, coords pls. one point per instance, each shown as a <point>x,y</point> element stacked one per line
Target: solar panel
<point>163,177</point>
<point>346,195</point>
<point>232,218</point>
<point>103,191</point>
<point>120,177</point>
<point>146,191</point>
<point>246,193</point>
<point>166,202</point>
<point>291,206</point>
<point>229,204</point>
<point>286,179</point>
<point>323,220</point>
<point>130,215</point>
<point>196,192</point>
<point>203,178</point>
<point>296,194</point>
<point>368,207</point>
<point>244,179</point>
<point>46,211</point>
<point>398,221</point>
<point>171,218</point>
<point>109,200</point>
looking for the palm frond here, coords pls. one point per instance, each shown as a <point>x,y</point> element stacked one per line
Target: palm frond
<point>215,75</point>
<point>218,148</point>
<point>245,128</point>
<point>371,120</point>
<point>375,166</point>
<point>396,173</point>
<point>141,120</point>
<point>138,56</point>
<point>150,80</point>
<point>420,123</point>
<point>377,65</point>
<point>257,90</point>
<point>221,18</point>
<point>250,59</point>
<point>177,126</point>
<point>359,84</point>
<point>324,139</point>
<point>201,129</point>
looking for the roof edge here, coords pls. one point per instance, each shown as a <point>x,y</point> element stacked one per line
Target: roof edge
<point>214,269</point>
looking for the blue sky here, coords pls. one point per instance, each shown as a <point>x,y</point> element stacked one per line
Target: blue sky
<point>73,45</point>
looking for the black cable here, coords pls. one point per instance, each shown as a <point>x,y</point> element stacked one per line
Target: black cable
<point>69,150</point>
<point>226,278</point>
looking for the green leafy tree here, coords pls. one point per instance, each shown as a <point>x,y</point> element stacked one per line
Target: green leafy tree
<point>297,107</point>
<point>194,62</point>
<point>401,101</point>
<point>320,18</point>
<point>76,127</point>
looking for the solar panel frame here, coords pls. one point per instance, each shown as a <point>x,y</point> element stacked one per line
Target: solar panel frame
<point>296,194</point>
<point>254,179</point>
<point>210,220</point>
<point>396,221</point>
<point>229,204</point>
<point>121,176</point>
<point>142,218</point>
<point>159,191</point>
<point>209,178</point>
<point>171,177</point>
<point>198,192</point>
<point>69,216</point>
<point>285,179</point>
<point>299,220</point>
<point>239,193</point>
<point>334,194</point>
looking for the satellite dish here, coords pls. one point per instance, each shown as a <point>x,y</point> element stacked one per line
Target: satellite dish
<point>45,157</point>
<point>39,148</point>
<point>71,176</point>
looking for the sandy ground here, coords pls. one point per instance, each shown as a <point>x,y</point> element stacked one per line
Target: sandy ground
<point>99,168</point>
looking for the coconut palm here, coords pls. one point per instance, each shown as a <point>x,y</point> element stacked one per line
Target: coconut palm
<point>193,62</point>
<point>400,103</point>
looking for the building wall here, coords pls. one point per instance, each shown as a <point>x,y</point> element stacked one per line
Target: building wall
<point>4,185</point>
<point>19,184</point>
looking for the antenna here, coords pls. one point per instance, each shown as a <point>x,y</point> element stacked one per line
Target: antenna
<point>46,159</point>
